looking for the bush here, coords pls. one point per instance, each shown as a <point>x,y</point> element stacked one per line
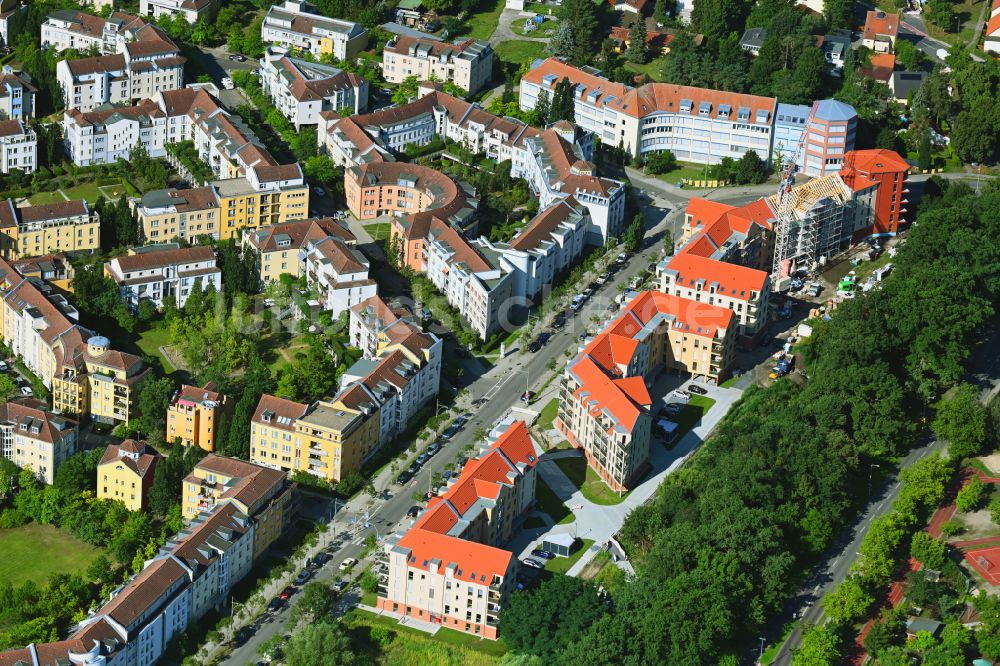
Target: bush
<point>10,518</point>
<point>380,635</point>
<point>951,528</point>
<point>662,161</point>
<point>368,582</point>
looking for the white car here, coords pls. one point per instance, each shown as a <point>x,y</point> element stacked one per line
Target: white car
<point>228,84</point>
<point>348,564</point>
<point>26,390</point>
<point>3,366</point>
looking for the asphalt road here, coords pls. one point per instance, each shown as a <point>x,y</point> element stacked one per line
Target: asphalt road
<point>503,387</point>
<point>827,575</point>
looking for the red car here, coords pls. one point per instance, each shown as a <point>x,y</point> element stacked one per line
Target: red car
<point>287,593</point>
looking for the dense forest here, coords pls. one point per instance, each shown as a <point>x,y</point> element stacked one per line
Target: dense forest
<point>725,541</point>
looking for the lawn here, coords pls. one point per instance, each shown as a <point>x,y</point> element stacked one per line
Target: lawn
<point>379,231</point>
<point>548,502</point>
<point>561,565</point>
<point>864,270</point>
<point>696,408</point>
<point>586,479</point>
<point>43,198</point>
<point>34,552</point>
<point>653,69</point>
<point>548,414</point>
<point>519,51</point>
<point>412,646</point>
<point>967,12</point>
<point>729,383</point>
<point>682,172</point>
<point>544,29</point>
<point>483,23</point>
<point>150,342</point>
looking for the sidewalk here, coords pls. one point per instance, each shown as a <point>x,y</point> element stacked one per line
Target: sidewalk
<point>404,620</point>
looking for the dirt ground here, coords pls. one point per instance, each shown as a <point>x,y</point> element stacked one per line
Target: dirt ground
<point>978,525</point>
<point>992,463</point>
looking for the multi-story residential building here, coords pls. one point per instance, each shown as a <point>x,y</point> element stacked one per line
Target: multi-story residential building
<point>403,374</point>
<point>888,171</point>
<point>17,95</point>
<point>326,439</point>
<point>178,215</point>
<point>279,246</point>
<point>991,31</point>
<point>268,195</point>
<point>302,90</point>
<point>170,272</point>
<point>394,188</point>
<point>369,321</point>
<point>66,29</point>
<point>338,272</point>
<point>34,438</point>
<point>18,146</point>
<point>449,567</point>
<point>141,68</point>
<point>193,415</point>
<point>86,376</point>
<point>262,493</point>
<point>107,135</point>
<point>817,136</point>
<point>31,231</point>
<point>9,20</point>
<point>880,31</point>
<point>191,10</point>
<point>697,124</point>
<point>550,244</point>
<point>296,25</point>
<point>467,63</point>
<point>556,167</point>
<point>54,269</point>
<point>125,473</point>
<point>604,405</point>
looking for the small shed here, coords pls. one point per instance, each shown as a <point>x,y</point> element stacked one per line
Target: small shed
<point>918,624</point>
<point>559,544</point>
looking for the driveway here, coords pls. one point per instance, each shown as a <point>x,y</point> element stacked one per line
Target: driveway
<point>503,33</point>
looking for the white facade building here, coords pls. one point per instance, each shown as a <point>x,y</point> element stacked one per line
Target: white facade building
<point>191,10</point>
<point>18,147</point>
<point>156,274</point>
<point>466,63</point>
<point>33,438</point>
<point>340,272</point>
<point>295,26</point>
<point>302,90</point>
<point>69,29</point>
<point>102,137</point>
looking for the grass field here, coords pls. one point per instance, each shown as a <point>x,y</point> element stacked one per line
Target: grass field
<point>518,51</point>
<point>544,29</point>
<point>547,415</point>
<point>653,69</point>
<point>690,171</point>
<point>379,231</point>
<point>43,198</point>
<point>561,565</point>
<point>411,646</point>
<point>483,23</point>
<point>548,502</point>
<point>33,552</point>
<point>586,479</point>
<point>89,191</point>
<point>696,408</point>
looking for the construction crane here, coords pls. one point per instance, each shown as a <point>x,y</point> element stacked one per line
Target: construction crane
<point>786,223</point>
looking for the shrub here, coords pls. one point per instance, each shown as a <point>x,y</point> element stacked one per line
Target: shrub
<point>951,528</point>
<point>969,496</point>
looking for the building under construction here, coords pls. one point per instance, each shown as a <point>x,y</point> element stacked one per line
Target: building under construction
<point>815,221</point>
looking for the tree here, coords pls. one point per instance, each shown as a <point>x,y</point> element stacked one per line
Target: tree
<point>660,11</point>
<point>561,44</point>
<point>154,399</point>
<point>750,169</point>
<point>638,49</point>
<point>542,105</point>
<point>849,602</point>
<point>661,161</point>
<point>961,420</point>
<point>316,603</point>
<point>633,235</point>
<point>8,388</point>
<point>970,495</point>
<point>928,550</point>
<point>582,16</point>
<point>888,630</point>
<point>320,643</point>
<point>544,621</point>
<point>369,582</point>
<point>405,90</point>
<point>562,106</point>
<point>908,55</point>
<point>924,152</point>
<point>820,647</point>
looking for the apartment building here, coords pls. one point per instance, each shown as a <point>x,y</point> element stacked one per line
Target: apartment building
<point>449,568</point>
<point>10,20</point>
<point>339,273</point>
<point>125,473</point>
<point>262,493</point>
<point>66,29</point>
<point>193,415</point>
<point>31,231</point>
<point>550,244</point>
<point>403,375</point>
<point>85,375</point>
<point>164,273</point>
<point>55,269</point>
<point>34,438</point>
<point>104,136</point>
<point>817,136</point>
<point>880,31</point>
<point>191,11</point>
<point>556,167</point>
<point>887,171</point>
<point>141,68</point>
<point>17,95</point>
<point>18,146</point>
<point>296,25</point>
<point>370,320</point>
<point>179,215</point>
<point>268,195</point>
<point>467,63</point>
<point>327,439</point>
<point>302,90</point>
<point>604,403</point>
<point>279,246</point>
<point>659,116</point>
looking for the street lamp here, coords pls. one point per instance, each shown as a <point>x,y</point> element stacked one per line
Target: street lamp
<point>761,648</point>
<point>870,468</point>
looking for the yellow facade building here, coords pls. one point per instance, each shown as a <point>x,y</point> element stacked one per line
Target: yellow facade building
<point>328,439</point>
<point>101,382</point>
<point>244,205</point>
<point>193,415</point>
<point>125,473</point>
<point>279,245</point>
<point>31,231</point>
<point>260,492</point>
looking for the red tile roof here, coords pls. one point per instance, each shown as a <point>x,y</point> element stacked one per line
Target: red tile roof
<point>879,23</point>
<point>732,280</point>
<point>279,408</point>
<point>876,160</point>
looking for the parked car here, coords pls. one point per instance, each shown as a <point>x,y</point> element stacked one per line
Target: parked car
<point>319,191</point>
<point>559,322</point>
<point>237,57</point>
<point>577,302</point>
<point>3,366</point>
<point>422,458</point>
<point>275,604</point>
<point>622,258</point>
<point>287,593</point>
<point>451,431</point>
<point>533,563</point>
<point>228,84</point>
<point>603,277</point>
<point>544,554</point>
<point>348,564</point>
<point>587,293</point>
<point>340,586</point>
<point>413,469</point>
<point>403,477</point>
<point>303,577</point>
<point>26,390</point>
<point>527,396</point>
<point>694,388</point>
<point>682,394</point>
<point>242,636</point>
<point>651,268</point>
<point>433,448</point>
<point>322,557</point>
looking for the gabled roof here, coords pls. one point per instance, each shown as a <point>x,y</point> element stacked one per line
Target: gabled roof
<point>279,412</point>
<point>730,280</point>
<point>136,456</point>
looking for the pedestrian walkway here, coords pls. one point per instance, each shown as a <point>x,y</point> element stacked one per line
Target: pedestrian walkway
<point>404,621</point>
